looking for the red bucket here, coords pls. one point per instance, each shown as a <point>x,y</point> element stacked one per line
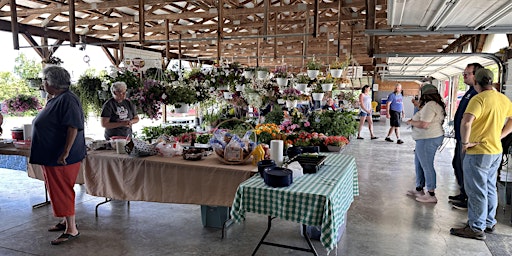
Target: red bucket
<point>17,134</point>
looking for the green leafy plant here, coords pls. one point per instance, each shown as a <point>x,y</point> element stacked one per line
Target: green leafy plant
<point>27,69</point>
<point>314,65</point>
<point>149,133</point>
<point>326,80</point>
<point>303,79</point>
<point>275,116</point>
<point>333,123</point>
<point>86,89</point>
<point>53,60</point>
<point>340,64</point>
<point>182,94</point>
<point>317,88</point>
<point>204,138</point>
<point>130,78</point>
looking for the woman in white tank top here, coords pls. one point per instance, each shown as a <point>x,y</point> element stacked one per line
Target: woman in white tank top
<point>365,111</point>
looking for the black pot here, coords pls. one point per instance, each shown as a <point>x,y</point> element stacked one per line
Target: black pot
<point>278,177</point>
<point>264,164</point>
<point>293,151</point>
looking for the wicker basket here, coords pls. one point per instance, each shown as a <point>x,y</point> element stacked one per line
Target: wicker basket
<point>246,155</point>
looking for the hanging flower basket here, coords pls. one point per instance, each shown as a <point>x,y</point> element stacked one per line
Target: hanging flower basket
<point>35,83</point>
<point>313,73</point>
<point>336,73</point>
<point>291,103</point>
<point>317,96</point>
<point>301,87</point>
<point>248,74</point>
<point>281,101</point>
<point>181,108</point>
<point>262,74</point>
<point>327,87</point>
<point>228,95</point>
<point>281,81</point>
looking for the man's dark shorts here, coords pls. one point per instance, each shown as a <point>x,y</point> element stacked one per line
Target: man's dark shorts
<point>394,120</point>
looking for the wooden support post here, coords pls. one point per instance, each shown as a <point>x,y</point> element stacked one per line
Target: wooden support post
<point>14,25</point>
<point>167,45</point>
<point>220,27</point>
<point>141,22</point>
<point>316,11</point>
<point>121,45</point>
<point>72,32</point>
<point>338,52</point>
<point>370,24</point>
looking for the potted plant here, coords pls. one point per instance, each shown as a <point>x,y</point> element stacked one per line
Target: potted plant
<point>88,88</point>
<point>182,95</point>
<point>326,83</point>
<point>249,72</point>
<point>302,82</point>
<point>317,93</point>
<point>336,68</point>
<point>313,68</point>
<point>261,72</point>
<point>281,76</point>
<point>53,61</point>
<point>291,95</point>
<point>335,143</point>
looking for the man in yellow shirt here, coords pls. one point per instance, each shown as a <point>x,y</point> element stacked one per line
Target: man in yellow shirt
<point>481,132</point>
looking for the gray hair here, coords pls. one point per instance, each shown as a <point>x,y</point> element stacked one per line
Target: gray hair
<point>57,77</point>
<point>118,86</point>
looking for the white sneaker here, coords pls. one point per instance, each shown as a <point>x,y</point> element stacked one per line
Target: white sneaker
<point>415,193</point>
<point>427,198</point>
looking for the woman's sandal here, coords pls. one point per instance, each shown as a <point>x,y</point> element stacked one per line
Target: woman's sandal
<point>64,238</point>
<point>58,227</point>
<point>360,138</point>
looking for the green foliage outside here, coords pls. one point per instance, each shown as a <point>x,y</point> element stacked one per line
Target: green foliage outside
<point>27,68</point>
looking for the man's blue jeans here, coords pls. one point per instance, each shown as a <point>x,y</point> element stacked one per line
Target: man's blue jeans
<point>424,154</point>
<point>480,173</point>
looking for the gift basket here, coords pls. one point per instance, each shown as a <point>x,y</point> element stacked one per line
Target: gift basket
<point>140,148</point>
<point>231,148</point>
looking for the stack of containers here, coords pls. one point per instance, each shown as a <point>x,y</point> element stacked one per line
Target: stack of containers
<point>383,110</point>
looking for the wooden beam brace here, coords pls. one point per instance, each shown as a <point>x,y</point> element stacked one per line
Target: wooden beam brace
<point>462,40</point>
<point>33,43</point>
<point>109,56</point>
<point>14,25</point>
<point>509,37</point>
<point>72,31</point>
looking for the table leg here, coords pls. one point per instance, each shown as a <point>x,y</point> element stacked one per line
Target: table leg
<point>269,225</point>
<point>46,202</point>
<point>104,202</point>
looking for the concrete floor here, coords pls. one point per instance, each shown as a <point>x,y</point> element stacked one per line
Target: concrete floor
<point>381,221</point>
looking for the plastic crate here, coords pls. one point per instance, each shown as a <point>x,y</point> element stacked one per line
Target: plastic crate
<point>214,216</point>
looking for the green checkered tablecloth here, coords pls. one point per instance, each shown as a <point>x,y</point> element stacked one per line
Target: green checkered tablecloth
<point>319,199</point>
